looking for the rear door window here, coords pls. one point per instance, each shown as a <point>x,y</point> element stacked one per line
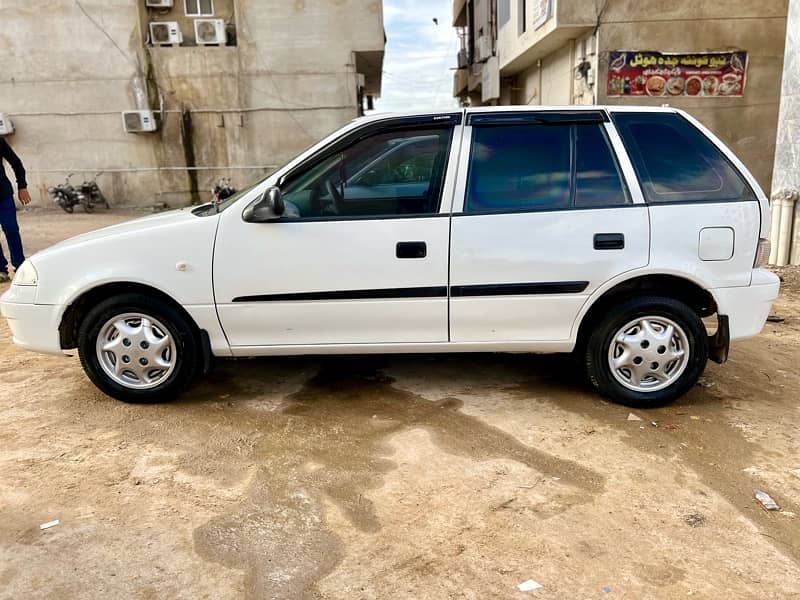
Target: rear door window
<point>675,162</point>
<point>553,166</point>
<point>519,168</point>
<point>598,181</point>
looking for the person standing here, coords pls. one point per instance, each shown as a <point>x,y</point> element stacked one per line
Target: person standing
<point>8,210</point>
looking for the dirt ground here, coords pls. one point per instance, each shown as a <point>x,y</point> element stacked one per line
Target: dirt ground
<point>455,476</point>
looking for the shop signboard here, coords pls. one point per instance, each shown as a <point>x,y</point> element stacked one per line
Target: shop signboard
<point>699,74</point>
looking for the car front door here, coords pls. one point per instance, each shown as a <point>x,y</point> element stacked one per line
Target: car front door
<point>541,219</point>
<point>361,255</point>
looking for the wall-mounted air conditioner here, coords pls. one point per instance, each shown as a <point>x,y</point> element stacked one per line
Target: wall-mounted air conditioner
<point>165,33</point>
<point>6,126</point>
<point>208,32</point>
<point>139,121</point>
<point>158,3</point>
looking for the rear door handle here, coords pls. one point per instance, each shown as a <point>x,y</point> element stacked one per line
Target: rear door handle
<point>609,241</point>
<point>412,250</point>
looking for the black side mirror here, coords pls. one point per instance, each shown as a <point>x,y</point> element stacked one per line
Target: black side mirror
<point>268,207</point>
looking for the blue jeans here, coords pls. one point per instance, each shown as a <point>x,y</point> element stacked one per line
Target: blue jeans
<point>8,222</point>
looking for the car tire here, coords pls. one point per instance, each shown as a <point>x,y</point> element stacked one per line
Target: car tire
<point>647,352</point>
<point>154,351</point>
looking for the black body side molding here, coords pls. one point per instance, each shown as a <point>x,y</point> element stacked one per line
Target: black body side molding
<point>456,291</point>
<point>519,289</point>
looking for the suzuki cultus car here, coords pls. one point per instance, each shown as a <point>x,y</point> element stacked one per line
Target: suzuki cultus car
<point>609,232</point>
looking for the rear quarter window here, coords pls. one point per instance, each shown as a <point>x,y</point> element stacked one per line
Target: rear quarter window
<point>675,162</point>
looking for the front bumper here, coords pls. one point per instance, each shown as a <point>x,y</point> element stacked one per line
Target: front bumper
<point>33,326</point>
<point>747,308</point>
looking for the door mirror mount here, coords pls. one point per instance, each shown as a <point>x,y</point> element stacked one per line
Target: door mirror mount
<point>267,208</point>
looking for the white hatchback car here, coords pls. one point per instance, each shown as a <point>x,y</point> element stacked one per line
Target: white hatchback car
<point>608,231</point>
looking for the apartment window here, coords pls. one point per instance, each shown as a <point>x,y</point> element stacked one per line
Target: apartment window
<point>522,16</point>
<point>503,12</point>
<point>199,8</point>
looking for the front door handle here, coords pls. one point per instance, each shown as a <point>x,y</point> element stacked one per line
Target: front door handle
<point>412,250</point>
<point>609,241</point>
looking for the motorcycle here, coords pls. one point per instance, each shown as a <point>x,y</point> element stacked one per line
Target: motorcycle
<point>93,195</point>
<point>222,190</point>
<point>66,196</point>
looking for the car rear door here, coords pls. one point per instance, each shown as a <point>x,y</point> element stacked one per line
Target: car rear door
<point>542,218</point>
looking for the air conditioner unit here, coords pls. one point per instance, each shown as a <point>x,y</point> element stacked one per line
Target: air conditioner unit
<point>208,32</point>
<point>158,3</point>
<point>484,48</point>
<point>139,121</point>
<point>165,33</point>
<point>6,126</point>
<point>462,58</point>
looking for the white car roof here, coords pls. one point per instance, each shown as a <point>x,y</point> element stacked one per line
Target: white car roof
<point>376,116</point>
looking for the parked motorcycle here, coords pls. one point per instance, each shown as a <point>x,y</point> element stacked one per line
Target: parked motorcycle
<point>88,194</point>
<point>222,190</point>
<point>66,196</point>
<point>93,195</point>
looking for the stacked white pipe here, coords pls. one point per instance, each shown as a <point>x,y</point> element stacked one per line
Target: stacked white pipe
<point>784,232</point>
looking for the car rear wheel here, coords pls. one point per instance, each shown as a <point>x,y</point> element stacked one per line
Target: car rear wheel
<point>647,352</point>
<point>138,349</point>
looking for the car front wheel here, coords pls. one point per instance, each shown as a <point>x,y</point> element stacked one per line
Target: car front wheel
<point>138,349</point>
<point>647,352</point>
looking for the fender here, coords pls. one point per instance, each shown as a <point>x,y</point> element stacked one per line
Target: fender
<point>629,276</point>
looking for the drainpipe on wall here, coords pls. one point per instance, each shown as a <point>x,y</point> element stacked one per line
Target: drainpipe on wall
<point>572,71</point>
<point>785,229</point>
<point>541,92</point>
<point>794,255</point>
<point>774,228</point>
<point>187,139</point>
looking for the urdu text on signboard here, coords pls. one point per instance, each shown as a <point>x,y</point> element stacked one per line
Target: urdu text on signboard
<point>700,74</point>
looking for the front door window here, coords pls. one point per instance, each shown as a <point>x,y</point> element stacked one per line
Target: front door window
<point>394,173</point>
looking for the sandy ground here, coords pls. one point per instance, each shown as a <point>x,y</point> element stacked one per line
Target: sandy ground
<point>399,477</point>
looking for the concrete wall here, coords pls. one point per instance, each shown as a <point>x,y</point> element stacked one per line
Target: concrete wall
<point>514,47</point>
<point>559,85</point>
<point>548,84</point>
<point>482,15</point>
<point>787,149</point>
<point>747,123</point>
<point>67,76</point>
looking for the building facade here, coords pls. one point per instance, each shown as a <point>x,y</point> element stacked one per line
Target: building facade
<point>561,52</point>
<point>234,87</point>
<point>785,233</point>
